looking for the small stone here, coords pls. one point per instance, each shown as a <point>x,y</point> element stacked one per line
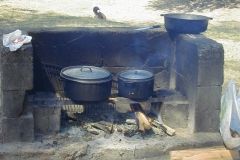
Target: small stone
<point>119,129</point>
<point>93,132</point>
<point>55,142</point>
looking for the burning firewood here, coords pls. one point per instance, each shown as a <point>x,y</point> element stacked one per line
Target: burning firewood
<point>143,123</point>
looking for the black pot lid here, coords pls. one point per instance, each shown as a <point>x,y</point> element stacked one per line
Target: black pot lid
<point>135,74</point>
<point>85,73</point>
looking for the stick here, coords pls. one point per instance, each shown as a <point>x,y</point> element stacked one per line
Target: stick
<point>165,128</point>
<point>131,121</point>
<point>105,126</point>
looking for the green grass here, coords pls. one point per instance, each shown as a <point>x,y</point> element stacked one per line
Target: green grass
<point>231,71</point>
<point>229,30</point>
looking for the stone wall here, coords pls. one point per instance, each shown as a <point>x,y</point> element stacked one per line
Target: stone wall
<point>199,70</point>
<point>192,64</point>
<point>16,79</point>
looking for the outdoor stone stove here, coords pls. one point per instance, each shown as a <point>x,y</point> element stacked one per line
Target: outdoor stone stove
<point>188,75</point>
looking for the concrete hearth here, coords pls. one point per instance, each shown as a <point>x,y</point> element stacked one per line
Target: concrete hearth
<point>188,74</point>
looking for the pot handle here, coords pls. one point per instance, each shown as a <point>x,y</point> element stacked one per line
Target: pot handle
<point>85,67</point>
<point>162,14</point>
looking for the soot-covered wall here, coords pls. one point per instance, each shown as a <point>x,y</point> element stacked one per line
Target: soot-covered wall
<point>115,49</point>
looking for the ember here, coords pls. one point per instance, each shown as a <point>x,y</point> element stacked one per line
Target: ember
<point>133,122</point>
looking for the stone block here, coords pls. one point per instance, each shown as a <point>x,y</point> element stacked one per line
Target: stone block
<point>200,59</point>
<point>210,73</point>
<point>208,99</point>
<point>18,129</point>
<point>17,76</point>
<point>17,68</point>
<point>208,49</point>
<point>13,103</point>
<point>175,115</point>
<point>203,73</point>
<point>207,121</point>
<point>47,117</point>
<point>21,56</point>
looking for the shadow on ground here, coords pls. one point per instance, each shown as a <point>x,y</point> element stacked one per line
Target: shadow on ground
<point>16,18</point>
<point>192,5</point>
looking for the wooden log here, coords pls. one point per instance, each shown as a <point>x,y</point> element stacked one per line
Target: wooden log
<point>164,127</point>
<point>93,131</point>
<point>108,125</point>
<point>143,121</point>
<point>105,126</point>
<point>218,153</point>
<point>131,121</point>
<point>105,123</point>
<point>157,130</point>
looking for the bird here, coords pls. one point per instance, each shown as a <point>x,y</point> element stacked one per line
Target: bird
<point>98,13</point>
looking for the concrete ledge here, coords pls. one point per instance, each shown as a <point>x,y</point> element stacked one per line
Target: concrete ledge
<point>104,148</point>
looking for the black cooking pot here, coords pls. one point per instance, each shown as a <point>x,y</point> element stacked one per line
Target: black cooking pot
<point>86,83</point>
<point>185,23</point>
<point>135,84</point>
